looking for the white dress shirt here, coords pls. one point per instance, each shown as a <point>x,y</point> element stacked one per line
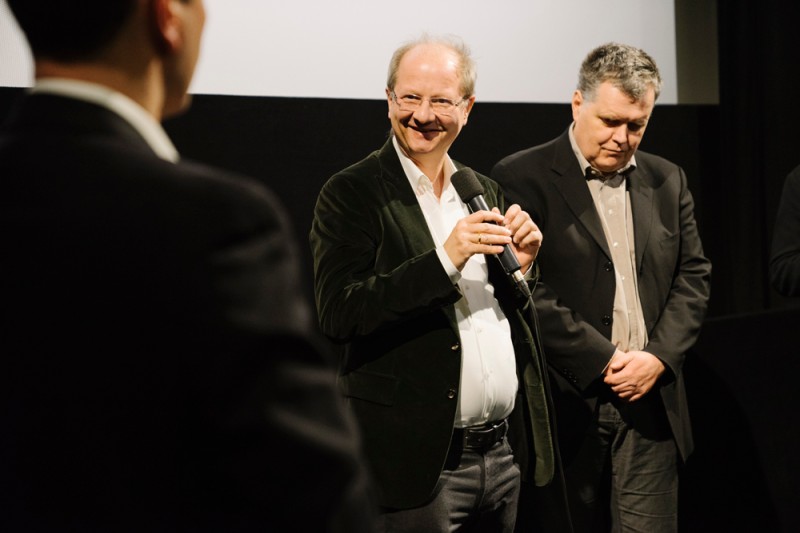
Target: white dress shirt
<point>613,204</point>
<point>488,366</point>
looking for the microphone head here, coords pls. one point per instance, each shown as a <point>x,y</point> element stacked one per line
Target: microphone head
<point>466,183</point>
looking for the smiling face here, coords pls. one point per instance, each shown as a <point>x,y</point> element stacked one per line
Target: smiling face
<point>428,71</point>
<point>609,128</point>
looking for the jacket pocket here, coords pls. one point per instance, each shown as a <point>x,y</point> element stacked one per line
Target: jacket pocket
<point>371,387</point>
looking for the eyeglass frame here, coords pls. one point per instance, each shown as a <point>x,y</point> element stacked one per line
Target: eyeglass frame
<point>453,105</point>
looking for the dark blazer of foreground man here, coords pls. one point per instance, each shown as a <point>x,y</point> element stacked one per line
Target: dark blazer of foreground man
<point>157,368</point>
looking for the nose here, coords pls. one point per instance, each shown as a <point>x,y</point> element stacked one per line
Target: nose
<point>424,113</point>
<point>620,134</point>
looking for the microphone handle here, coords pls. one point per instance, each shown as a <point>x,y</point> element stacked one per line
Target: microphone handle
<point>507,258</point>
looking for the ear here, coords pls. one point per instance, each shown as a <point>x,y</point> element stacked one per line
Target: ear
<point>577,100</point>
<point>468,108</point>
<point>166,25</point>
<point>389,101</point>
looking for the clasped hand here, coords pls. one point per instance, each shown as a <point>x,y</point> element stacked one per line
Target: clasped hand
<point>633,374</point>
<point>486,232</point>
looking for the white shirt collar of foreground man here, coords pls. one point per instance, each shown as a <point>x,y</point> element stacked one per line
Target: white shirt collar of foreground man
<point>116,102</point>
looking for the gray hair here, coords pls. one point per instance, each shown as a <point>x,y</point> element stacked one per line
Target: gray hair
<point>467,71</point>
<point>629,69</point>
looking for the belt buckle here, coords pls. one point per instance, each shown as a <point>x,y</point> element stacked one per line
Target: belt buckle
<point>484,438</point>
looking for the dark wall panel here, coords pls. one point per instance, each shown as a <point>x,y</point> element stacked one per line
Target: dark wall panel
<point>736,383</point>
<point>293,145</point>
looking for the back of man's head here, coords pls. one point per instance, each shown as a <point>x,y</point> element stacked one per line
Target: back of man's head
<point>70,30</point>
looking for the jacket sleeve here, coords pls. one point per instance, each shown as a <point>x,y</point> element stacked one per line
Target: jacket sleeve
<point>681,313</point>
<point>374,261</point>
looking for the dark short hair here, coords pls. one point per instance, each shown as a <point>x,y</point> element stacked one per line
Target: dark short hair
<point>67,30</point>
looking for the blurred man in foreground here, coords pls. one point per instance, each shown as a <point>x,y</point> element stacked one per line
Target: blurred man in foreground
<point>157,369</point>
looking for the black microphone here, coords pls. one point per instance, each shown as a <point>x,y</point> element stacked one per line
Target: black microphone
<point>471,192</point>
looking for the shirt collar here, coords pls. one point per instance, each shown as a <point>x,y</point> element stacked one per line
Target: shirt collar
<point>419,182</point>
<point>116,102</point>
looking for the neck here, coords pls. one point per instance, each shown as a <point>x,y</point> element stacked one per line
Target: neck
<point>142,86</point>
<point>435,173</point>
<point>433,167</point>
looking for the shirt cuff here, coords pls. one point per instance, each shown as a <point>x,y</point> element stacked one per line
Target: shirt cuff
<point>447,264</point>
<point>528,275</point>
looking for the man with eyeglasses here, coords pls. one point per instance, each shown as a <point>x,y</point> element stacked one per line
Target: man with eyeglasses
<point>160,370</point>
<point>433,331</point>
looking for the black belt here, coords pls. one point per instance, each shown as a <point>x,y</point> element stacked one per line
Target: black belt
<point>481,438</point>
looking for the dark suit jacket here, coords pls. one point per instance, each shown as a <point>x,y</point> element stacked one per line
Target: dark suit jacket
<point>158,368</point>
<point>381,289</point>
<point>575,296</point>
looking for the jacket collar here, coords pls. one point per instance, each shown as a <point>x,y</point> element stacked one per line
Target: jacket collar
<point>570,181</point>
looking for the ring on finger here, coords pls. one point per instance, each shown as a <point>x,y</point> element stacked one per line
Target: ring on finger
<point>480,238</point>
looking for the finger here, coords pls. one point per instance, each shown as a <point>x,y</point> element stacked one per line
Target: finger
<point>496,234</point>
<point>491,242</point>
<point>531,239</point>
<point>517,221</point>
<point>616,366</point>
<point>626,393</point>
<point>621,388</point>
<point>485,216</point>
<point>511,213</point>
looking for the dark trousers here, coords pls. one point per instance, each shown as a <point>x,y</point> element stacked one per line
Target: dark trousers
<point>477,492</point>
<point>622,476</point>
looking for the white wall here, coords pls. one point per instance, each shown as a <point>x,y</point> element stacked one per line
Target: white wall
<point>526,50</point>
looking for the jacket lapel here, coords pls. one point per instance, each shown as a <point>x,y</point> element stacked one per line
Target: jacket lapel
<point>641,191</point>
<point>571,183</point>
<point>403,203</point>
<point>406,212</point>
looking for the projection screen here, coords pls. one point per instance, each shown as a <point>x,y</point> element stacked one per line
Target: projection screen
<point>526,50</point>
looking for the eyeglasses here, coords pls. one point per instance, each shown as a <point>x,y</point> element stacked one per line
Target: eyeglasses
<point>440,106</point>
